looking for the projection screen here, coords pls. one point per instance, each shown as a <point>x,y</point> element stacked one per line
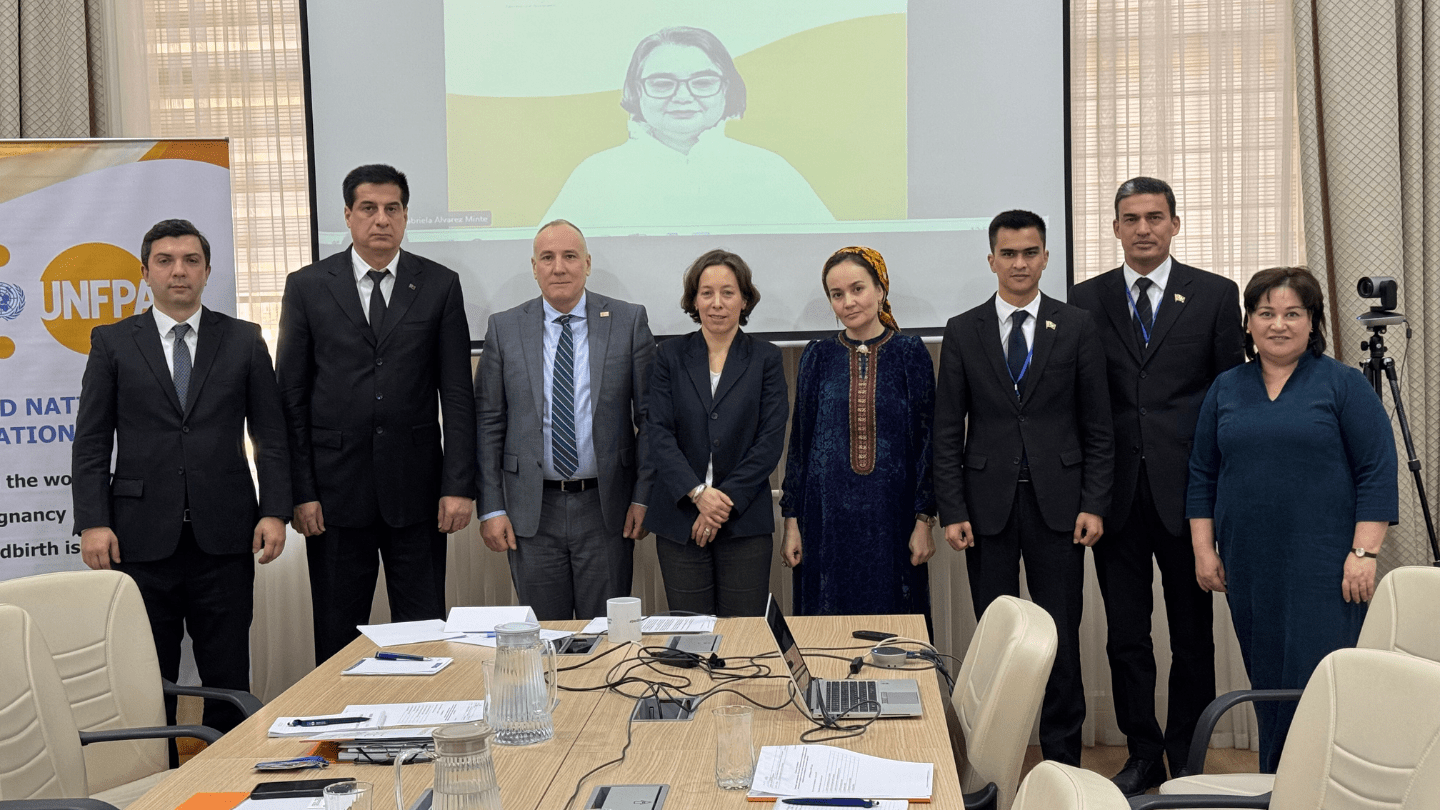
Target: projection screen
<point>781,130</point>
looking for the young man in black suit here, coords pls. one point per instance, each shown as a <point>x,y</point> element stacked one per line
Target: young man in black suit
<point>1168,330</point>
<point>372,340</point>
<point>175,387</point>
<point>1028,475</point>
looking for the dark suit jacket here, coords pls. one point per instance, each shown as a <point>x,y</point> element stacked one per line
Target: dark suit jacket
<point>169,455</point>
<point>510,397</point>
<point>365,438</point>
<point>1156,390</point>
<point>1062,422</point>
<point>742,426</point>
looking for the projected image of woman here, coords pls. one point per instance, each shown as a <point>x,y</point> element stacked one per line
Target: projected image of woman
<point>678,168</point>
<point>858,500</point>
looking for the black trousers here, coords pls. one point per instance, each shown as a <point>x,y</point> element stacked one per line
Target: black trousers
<point>1122,562</point>
<point>212,596</point>
<point>344,567</point>
<point>728,577</point>
<point>1055,574</point>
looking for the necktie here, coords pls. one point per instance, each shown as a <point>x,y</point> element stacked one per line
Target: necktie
<point>377,300</point>
<point>562,395</point>
<point>1018,349</point>
<point>1144,317</point>
<point>182,362</point>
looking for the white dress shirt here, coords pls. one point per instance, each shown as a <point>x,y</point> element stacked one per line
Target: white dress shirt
<point>584,413</point>
<point>1159,277</point>
<point>165,323</point>
<point>365,285</point>
<point>1005,311</point>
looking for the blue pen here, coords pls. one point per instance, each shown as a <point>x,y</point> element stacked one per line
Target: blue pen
<point>394,656</point>
<point>831,802</point>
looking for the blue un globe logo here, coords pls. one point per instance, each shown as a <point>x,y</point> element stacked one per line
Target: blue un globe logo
<point>12,301</point>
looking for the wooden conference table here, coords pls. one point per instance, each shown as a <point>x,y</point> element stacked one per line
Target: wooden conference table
<point>590,727</point>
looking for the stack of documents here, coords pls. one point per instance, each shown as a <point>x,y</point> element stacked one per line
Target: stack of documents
<point>659,625</point>
<point>820,770</point>
<point>398,633</point>
<point>408,716</point>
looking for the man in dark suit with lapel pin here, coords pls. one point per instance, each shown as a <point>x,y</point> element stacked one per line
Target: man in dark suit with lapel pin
<point>1168,330</point>
<point>374,356</point>
<point>172,391</point>
<point>560,396</point>
<point>1024,453</point>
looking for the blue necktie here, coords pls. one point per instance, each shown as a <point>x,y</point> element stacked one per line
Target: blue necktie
<point>1015,354</point>
<point>182,362</point>
<point>562,395</point>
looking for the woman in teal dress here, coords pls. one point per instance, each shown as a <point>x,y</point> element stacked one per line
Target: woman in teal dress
<point>858,500</point>
<point>1292,486</point>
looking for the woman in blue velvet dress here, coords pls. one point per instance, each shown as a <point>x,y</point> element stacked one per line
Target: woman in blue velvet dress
<point>858,501</point>
<point>1292,486</point>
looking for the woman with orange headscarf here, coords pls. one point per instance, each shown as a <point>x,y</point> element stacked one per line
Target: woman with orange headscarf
<point>858,500</point>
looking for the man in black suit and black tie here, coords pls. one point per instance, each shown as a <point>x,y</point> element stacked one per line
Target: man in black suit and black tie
<point>1168,330</point>
<point>372,340</point>
<point>1028,475</point>
<point>175,387</point>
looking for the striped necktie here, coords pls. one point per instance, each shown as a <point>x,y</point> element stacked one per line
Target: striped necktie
<point>562,395</point>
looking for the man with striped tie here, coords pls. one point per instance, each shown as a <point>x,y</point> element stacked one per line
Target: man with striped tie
<point>173,390</point>
<point>560,396</point>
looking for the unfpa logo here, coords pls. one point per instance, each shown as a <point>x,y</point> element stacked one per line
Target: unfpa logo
<point>87,286</point>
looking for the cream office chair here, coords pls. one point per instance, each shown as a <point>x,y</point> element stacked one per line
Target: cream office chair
<point>1401,618</point>
<point>997,697</point>
<point>1366,735</point>
<point>97,631</point>
<point>1052,786</point>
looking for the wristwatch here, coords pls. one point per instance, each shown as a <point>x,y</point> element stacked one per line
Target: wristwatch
<point>928,520</point>
<point>1362,553</point>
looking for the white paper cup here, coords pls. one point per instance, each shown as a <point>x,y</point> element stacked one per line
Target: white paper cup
<point>623,613</point>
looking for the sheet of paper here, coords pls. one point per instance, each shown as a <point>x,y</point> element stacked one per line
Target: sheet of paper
<point>300,803</point>
<point>397,633</point>
<point>658,625</point>
<point>376,666</point>
<point>821,770</point>
<point>436,713</point>
<point>378,735</point>
<point>484,618</point>
<point>282,728</point>
<point>488,640</point>
<point>880,804</point>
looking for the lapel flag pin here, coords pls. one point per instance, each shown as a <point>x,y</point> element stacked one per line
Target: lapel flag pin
<point>605,314</point>
<point>1179,299</point>
<point>412,286</point>
<point>1049,324</point>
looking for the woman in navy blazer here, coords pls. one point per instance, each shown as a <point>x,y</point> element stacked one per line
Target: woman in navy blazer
<point>715,427</point>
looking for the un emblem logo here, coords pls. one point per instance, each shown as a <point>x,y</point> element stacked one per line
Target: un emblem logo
<point>12,301</point>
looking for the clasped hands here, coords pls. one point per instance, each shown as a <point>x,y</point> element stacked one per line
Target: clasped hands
<point>714,507</point>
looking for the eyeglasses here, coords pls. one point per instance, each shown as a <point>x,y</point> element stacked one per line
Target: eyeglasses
<point>663,85</point>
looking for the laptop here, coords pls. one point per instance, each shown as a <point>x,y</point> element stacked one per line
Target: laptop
<point>850,698</point>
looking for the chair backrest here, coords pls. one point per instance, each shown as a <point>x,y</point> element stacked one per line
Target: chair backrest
<point>1404,612</point>
<point>39,747</point>
<point>1366,734</point>
<point>997,695</point>
<point>99,635</point>
<point>1052,786</point>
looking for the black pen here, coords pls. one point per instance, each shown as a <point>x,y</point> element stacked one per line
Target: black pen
<point>832,802</point>
<point>394,656</point>
<point>307,722</point>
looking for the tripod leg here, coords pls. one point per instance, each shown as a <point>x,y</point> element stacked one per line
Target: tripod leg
<point>1412,462</point>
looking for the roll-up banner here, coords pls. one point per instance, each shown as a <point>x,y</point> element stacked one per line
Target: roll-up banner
<point>72,216</point>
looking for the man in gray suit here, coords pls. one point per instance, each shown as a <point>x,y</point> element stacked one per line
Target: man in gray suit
<point>559,395</point>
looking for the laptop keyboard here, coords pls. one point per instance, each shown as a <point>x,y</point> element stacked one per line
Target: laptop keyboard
<point>851,696</point>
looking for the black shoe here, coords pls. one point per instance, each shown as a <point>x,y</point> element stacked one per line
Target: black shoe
<point>1139,775</point>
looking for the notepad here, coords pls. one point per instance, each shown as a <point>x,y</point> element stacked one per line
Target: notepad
<point>377,666</point>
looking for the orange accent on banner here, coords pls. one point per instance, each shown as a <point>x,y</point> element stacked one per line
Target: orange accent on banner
<point>217,152</point>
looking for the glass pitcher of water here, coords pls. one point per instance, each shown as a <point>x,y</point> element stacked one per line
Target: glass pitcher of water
<point>464,769</point>
<point>522,696</point>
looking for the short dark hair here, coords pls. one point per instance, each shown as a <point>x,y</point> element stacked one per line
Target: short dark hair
<point>168,228</point>
<point>1144,185</point>
<point>1307,289</point>
<point>1016,220</point>
<point>631,92</point>
<point>691,285</point>
<point>379,174</point>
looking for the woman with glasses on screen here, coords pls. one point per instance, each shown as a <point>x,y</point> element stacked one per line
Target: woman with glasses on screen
<point>858,500</point>
<point>677,168</point>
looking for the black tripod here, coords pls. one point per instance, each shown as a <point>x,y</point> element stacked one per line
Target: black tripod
<point>1378,366</point>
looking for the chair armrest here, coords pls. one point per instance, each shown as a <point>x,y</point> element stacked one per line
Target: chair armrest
<point>55,804</point>
<point>1205,726</point>
<point>204,733</point>
<point>983,799</point>
<point>247,703</point>
<point>1184,801</point>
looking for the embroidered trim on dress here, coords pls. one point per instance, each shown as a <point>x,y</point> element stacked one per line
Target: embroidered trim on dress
<point>864,370</point>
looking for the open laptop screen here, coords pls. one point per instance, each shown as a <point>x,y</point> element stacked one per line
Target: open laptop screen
<point>789,650</point>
